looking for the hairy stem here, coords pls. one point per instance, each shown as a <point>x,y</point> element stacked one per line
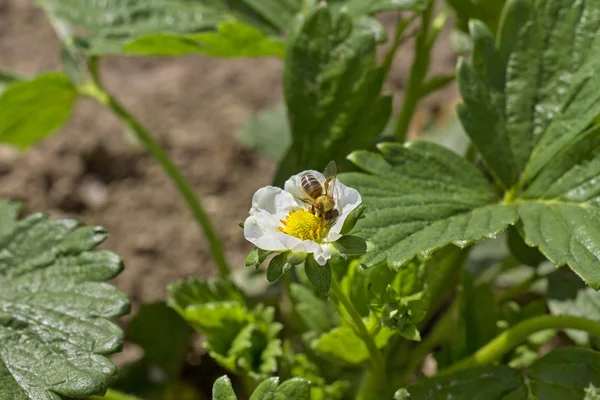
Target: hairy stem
<point>362,331</point>
<point>516,335</point>
<point>95,89</point>
<point>114,395</point>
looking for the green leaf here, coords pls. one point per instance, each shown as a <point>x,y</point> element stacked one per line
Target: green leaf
<point>232,39</point>
<point>238,338</point>
<point>352,219</point>
<point>365,7</point>
<point>484,383</point>
<point>268,132</point>
<point>349,246</point>
<point>569,295</point>
<point>488,11</point>
<point>196,291</point>
<point>282,263</point>
<point>163,335</point>
<point>560,210</point>
<point>422,197</point>
<point>317,314</point>
<point>537,91</point>
<point>566,373</point>
<point>167,26</point>
<point>9,211</point>
<point>32,110</point>
<point>343,343</point>
<point>54,308</point>
<point>331,89</point>
<point>318,275</point>
<point>256,257</point>
<point>292,389</point>
<point>222,389</point>
<point>525,254</point>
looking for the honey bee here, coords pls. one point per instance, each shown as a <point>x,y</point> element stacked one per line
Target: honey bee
<point>320,196</point>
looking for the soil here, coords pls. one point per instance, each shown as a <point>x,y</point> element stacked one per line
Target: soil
<point>93,170</point>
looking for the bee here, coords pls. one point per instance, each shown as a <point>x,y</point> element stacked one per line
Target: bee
<point>320,196</point>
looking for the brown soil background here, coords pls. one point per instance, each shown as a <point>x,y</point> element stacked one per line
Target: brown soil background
<point>194,105</point>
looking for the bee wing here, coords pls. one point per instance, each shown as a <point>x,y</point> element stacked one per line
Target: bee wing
<point>299,194</point>
<point>330,177</point>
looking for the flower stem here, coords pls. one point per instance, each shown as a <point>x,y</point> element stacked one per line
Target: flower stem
<point>114,395</point>
<point>95,89</point>
<point>376,357</point>
<point>516,335</point>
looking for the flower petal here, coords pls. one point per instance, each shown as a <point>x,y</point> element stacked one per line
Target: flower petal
<point>346,200</point>
<point>274,201</point>
<point>323,255</point>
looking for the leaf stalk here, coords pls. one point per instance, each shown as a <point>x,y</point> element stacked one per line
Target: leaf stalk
<point>516,335</point>
<point>95,90</point>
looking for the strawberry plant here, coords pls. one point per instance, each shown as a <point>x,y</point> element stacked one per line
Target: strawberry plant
<point>413,272</point>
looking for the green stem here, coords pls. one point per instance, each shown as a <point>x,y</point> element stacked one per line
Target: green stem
<point>401,27</point>
<point>114,395</point>
<point>418,72</point>
<point>363,332</point>
<point>94,89</point>
<point>516,335</point>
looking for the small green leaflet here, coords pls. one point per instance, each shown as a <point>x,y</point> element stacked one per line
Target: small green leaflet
<point>54,308</point>
<point>270,389</point>
<point>268,132</point>
<point>237,337</point>
<point>342,343</point>
<point>32,110</point>
<point>567,373</point>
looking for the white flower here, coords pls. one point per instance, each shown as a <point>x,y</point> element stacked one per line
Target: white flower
<point>279,221</point>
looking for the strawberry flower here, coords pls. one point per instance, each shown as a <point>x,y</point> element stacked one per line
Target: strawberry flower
<point>280,221</point>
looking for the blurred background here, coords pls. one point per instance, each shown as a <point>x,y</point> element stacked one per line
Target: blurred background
<point>94,170</point>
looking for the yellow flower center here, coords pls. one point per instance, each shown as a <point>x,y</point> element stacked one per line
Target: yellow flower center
<point>304,225</point>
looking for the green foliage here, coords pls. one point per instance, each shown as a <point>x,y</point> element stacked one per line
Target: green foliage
<point>270,389</point>
<point>331,90</point>
<point>420,198</point>
<point>239,338</point>
<point>539,149</point>
<point>561,374</point>
<point>488,11</point>
<point>342,343</point>
<point>32,110</point>
<point>318,275</point>
<point>316,313</point>
<point>54,308</point>
<point>111,26</point>
<point>231,39</point>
